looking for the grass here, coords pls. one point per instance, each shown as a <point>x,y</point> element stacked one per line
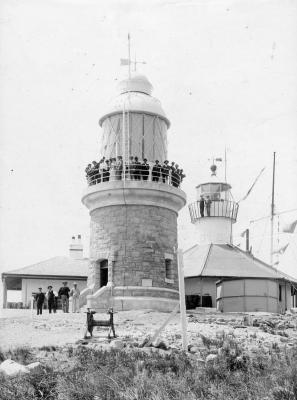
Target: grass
<point>136,375</point>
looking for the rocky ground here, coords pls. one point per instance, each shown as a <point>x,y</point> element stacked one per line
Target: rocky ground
<point>205,327</point>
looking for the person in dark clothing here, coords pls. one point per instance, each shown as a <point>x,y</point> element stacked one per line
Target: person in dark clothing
<point>106,171</point>
<point>156,171</point>
<point>208,204</point>
<point>88,171</point>
<point>64,296</point>
<point>145,170</point>
<point>182,175</point>
<point>51,300</point>
<point>39,297</point>
<point>172,172</point>
<point>137,169</point>
<point>165,171</point>
<point>201,206</point>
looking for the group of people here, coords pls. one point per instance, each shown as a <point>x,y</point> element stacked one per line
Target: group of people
<point>205,204</point>
<point>112,169</point>
<point>52,297</point>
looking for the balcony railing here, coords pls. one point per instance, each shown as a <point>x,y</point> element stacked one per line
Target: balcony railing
<point>172,179</point>
<point>213,208</point>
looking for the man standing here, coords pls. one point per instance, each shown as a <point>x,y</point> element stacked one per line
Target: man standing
<point>208,204</point>
<point>75,293</point>
<point>165,171</point>
<point>39,301</point>
<point>64,296</point>
<point>156,171</point>
<point>145,170</point>
<point>51,301</point>
<point>201,206</point>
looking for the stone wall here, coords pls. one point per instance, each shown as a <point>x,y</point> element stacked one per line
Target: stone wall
<point>135,240</point>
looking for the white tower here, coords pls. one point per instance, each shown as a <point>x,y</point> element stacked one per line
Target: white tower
<point>214,212</point>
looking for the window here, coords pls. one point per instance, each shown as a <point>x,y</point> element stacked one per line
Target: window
<point>169,269</point>
<point>279,293</point>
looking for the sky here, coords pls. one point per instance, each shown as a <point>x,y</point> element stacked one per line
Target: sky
<point>225,73</point>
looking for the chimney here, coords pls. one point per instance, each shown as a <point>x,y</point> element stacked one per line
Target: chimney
<point>76,248</point>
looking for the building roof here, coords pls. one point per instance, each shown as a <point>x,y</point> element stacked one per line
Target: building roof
<point>224,260</point>
<point>56,266</point>
<point>135,96</point>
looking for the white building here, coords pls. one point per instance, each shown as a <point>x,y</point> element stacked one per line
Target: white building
<point>52,272</point>
<point>218,274</point>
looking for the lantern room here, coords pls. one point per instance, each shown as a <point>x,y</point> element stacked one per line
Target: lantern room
<point>215,210</point>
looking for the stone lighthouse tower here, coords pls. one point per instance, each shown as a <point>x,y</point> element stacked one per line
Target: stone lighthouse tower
<point>133,240</point>
<point>215,211</point>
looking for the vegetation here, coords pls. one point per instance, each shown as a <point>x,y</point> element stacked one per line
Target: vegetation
<point>138,375</point>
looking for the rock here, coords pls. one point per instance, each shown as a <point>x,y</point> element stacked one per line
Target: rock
<point>211,358</point>
<point>194,349</point>
<point>33,366</point>
<point>12,368</point>
<point>117,344</point>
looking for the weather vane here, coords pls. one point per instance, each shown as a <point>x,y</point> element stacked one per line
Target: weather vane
<point>128,61</point>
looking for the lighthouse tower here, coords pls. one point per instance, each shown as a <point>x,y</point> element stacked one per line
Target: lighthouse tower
<point>133,238</point>
<point>214,212</point>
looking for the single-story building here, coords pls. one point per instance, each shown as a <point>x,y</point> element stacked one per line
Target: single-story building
<point>232,280</point>
<point>52,272</point>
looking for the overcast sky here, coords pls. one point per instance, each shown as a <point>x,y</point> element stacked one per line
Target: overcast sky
<point>224,71</point>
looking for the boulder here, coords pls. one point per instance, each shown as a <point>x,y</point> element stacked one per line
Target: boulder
<point>160,344</point>
<point>12,368</point>
<point>33,366</point>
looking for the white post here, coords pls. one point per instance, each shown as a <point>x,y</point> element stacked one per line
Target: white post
<point>182,301</point>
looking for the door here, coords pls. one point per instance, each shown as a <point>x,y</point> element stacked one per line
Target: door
<point>103,272</point>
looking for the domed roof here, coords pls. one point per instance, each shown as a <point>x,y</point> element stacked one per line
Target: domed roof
<point>135,96</point>
<point>137,83</point>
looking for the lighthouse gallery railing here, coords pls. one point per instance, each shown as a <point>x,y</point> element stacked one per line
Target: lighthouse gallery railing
<point>217,208</point>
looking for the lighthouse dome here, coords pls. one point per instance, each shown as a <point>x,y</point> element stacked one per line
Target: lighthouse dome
<point>135,96</point>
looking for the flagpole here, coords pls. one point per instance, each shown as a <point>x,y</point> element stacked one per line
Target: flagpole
<point>129,57</point>
<point>272,213</point>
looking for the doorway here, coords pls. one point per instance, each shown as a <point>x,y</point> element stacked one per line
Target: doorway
<point>103,272</point>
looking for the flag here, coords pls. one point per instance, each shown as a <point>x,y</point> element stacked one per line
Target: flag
<point>251,188</point>
<point>281,250</point>
<point>289,228</point>
<point>125,61</point>
<point>243,233</point>
<point>219,159</point>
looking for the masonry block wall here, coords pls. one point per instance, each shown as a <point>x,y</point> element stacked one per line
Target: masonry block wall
<point>136,240</point>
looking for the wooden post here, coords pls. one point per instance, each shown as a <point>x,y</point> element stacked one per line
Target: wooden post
<point>182,301</point>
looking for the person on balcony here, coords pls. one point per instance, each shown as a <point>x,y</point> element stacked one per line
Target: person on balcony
<point>182,175</point>
<point>172,171</point>
<point>156,171</point>
<point>201,206</point>
<point>102,167</point>
<point>137,169</point>
<point>119,168</point>
<point>208,205</point>
<point>165,171</point>
<point>112,170</point>
<point>175,176</point>
<point>88,172</point>
<point>145,170</point>
<point>132,168</point>
<point>106,169</point>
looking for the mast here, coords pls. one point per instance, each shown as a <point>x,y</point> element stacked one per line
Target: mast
<point>272,213</point>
